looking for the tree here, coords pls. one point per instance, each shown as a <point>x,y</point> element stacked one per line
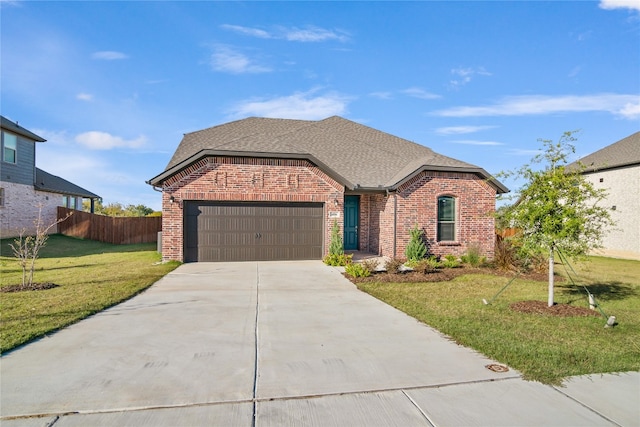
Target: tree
<point>117,209</point>
<point>557,208</point>
<point>335,245</point>
<point>27,248</point>
<point>416,248</point>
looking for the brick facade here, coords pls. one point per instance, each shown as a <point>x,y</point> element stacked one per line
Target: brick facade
<point>21,206</point>
<point>245,179</point>
<point>381,215</point>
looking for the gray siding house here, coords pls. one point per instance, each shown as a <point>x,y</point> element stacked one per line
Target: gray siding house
<point>25,189</point>
<point>616,168</point>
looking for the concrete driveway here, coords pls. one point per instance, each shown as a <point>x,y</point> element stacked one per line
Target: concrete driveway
<point>277,343</point>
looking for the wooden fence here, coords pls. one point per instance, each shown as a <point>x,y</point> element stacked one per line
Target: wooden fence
<point>507,232</point>
<point>108,229</point>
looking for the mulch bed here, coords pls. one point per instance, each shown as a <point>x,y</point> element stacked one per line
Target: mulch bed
<point>443,275</point>
<point>560,310</point>
<point>33,287</point>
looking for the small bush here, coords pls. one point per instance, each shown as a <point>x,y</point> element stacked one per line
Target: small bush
<point>472,257</point>
<point>427,265</point>
<point>370,265</point>
<point>506,255</point>
<point>450,261</point>
<point>338,260</point>
<point>393,265</point>
<point>416,249</point>
<point>357,270</point>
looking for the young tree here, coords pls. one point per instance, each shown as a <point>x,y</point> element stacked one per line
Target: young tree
<point>416,248</point>
<point>27,248</point>
<point>557,208</point>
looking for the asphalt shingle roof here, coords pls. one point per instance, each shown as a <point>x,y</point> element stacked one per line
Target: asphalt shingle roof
<point>625,152</point>
<point>359,155</point>
<point>16,128</point>
<point>54,184</point>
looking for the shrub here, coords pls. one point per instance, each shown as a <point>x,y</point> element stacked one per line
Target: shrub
<point>472,257</point>
<point>427,265</point>
<point>370,265</point>
<point>393,265</point>
<point>416,249</point>
<point>336,256</point>
<point>338,260</point>
<point>357,270</point>
<point>450,261</point>
<point>335,246</point>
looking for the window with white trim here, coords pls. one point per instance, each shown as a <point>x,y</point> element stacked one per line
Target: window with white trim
<point>446,219</point>
<point>9,147</point>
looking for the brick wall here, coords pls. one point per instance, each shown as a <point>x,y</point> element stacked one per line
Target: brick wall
<point>475,203</point>
<point>20,210</point>
<point>245,179</point>
<point>249,179</point>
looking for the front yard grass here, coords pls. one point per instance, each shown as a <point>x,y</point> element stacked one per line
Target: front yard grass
<point>543,348</point>
<point>91,276</point>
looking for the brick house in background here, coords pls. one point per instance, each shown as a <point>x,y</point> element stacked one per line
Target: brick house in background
<point>24,188</point>
<point>271,189</point>
<point>616,168</point>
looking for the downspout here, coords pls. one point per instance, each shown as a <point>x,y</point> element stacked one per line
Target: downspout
<point>395,222</point>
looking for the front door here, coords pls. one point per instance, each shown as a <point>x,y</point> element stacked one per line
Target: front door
<point>351,220</point>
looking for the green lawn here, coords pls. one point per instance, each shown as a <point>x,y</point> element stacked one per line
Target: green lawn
<point>91,277</point>
<point>544,348</point>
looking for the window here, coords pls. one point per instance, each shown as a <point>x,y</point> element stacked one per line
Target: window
<point>1,196</point>
<point>446,219</point>
<point>72,202</point>
<point>65,202</point>
<point>9,147</point>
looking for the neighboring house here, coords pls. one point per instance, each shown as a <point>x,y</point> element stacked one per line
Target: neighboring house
<point>616,168</point>
<point>25,189</point>
<point>271,189</point>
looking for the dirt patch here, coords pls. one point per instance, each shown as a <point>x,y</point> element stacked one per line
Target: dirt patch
<point>560,310</point>
<point>32,287</point>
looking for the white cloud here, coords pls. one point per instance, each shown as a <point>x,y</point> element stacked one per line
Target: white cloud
<point>84,97</point>
<point>417,92</point>
<point>474,142</point>
<point>626,106</point>
<point>313,34</point>
<point>620,4</point>
<point>228,60</point>
<point>109,55</point>
<point>381,95</point>
<point>300,105</point>
<point>465,75</point>
<point>458,130</point>
<point>308,34</point>
<point>254,32</point>
<point>96,140</point>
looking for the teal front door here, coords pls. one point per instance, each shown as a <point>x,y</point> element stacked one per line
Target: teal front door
<point>351,220</point>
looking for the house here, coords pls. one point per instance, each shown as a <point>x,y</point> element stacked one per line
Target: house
<point>24,188</point>
<point>271,189</point>
<point>616,168</point>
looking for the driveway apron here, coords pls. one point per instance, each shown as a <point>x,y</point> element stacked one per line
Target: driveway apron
<point>265,343</point>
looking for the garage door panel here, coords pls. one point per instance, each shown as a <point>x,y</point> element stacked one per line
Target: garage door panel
<point>225,231</point>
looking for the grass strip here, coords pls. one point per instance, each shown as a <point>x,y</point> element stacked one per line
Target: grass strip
<point>542,347</point>
<point>91,276</point>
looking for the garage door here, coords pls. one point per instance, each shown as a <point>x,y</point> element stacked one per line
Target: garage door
<point>216,231</point>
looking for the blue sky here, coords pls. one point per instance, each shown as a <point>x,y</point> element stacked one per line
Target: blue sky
<point>113,86</point>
